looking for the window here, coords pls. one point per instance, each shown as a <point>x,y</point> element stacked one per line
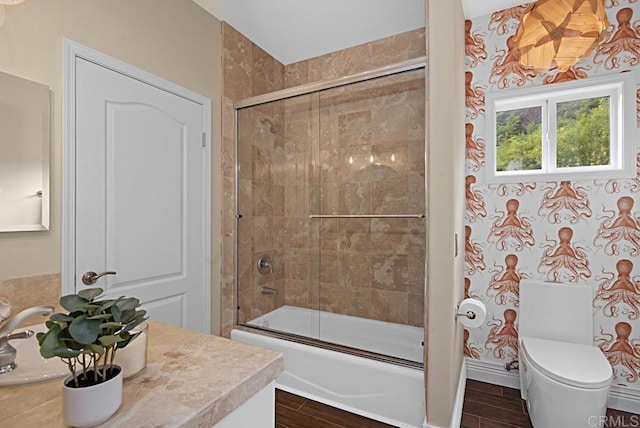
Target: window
<point>583,129</point>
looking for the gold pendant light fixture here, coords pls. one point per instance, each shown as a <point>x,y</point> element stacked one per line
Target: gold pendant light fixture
<point>557,33</point>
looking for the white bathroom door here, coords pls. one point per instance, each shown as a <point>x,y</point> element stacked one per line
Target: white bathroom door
<point>140,194</point>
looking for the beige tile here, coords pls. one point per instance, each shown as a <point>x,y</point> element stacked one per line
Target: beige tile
<point>279,286</point>
<point>415,311</point>
<point>355,59</point>
<point>354,235</point>
<point>298,134</point>
<point>261,165</point>
<point>299,109</point>
<point>354,129</point>
<point>278,233</point>
<point>228,118</point>
<point>329,267</point>
<point>245,266</point>
<point>353,164</point>
<point>296,232</point>
<point>416,271</point>
<point>390,196</point>
<point>237,81</point>
<point>389,272</point>
<point>354,270</point>
<point>389,120</point>
<point>278,165</point>
<point>245,159</point>
<point>416,190</point>
<point>355,302</point>
<point>245,198</point>
<point>296,74</point>
<point>398,236</point>
<point>262,233</point>
<point>390,306</point>
<point>228,208</point>
<point>228,157</point>
<point>297,264</point>
<point>322,68</point>
<point>260,86</point>
<point>245,303</point>
<point>262,199</point>
<point>278,200</point>
<point>329,297</point>
<point>278,76</point>
<point>328,234</point>
<point>263,64</point>
<point>295,201</point>
<point>329,164</point>
<point>296,292</point>
<point>329,198</point>
<point>416,157</point>
<point>354,198</point>
<point>236,47</point>
<point>417,43</point>
<point>296,170</point>
<point>391,49</point>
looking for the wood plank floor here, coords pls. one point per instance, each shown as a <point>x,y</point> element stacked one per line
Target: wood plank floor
<point>293,411</point>
<point>485,406</point>
<point>493,406</point>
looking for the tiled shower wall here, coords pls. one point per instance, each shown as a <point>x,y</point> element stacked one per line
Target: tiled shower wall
<point>249,71</point>
<point>357,150</point>
<point>365,268</point>
<point>288,178</point>
<point>575,231</point>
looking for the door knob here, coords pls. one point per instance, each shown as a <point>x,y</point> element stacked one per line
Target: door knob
<point>90,278</point>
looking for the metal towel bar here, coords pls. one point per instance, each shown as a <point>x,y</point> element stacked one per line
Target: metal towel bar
<point>367,216</point>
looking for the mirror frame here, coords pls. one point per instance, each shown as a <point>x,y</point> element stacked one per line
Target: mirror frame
<point>36,99</point>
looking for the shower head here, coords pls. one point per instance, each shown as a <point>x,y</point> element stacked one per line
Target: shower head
<point>274,128</point>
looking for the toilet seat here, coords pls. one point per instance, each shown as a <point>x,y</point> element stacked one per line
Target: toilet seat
<point>581,366</point>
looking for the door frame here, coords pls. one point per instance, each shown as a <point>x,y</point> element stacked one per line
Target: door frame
<point>70,51</point>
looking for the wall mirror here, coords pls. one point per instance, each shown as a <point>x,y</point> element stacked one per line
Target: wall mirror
<point>25,138</point>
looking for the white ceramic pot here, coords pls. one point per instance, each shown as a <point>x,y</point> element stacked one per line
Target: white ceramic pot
<point>91,405</point>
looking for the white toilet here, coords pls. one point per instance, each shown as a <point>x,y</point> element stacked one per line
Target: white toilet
<point>564,378</point>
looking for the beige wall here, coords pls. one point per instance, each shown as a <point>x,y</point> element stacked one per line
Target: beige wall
<point>445,146</point>
<point>174,39</point>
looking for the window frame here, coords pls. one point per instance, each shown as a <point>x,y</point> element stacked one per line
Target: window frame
<point>622,90</point>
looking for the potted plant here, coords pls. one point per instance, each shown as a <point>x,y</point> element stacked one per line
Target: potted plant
<point>86,339</point>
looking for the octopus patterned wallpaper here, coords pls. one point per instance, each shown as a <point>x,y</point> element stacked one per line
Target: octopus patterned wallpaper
<point>571,231</point>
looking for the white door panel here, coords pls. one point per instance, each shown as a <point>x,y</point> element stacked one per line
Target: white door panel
<point>140,209</point>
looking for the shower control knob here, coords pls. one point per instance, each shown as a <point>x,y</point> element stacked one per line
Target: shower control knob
<point>264,265</point>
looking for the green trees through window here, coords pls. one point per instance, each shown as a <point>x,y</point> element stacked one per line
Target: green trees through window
<point>582,135</point>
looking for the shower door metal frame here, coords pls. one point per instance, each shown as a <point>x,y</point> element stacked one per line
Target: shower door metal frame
<point>388,70</point>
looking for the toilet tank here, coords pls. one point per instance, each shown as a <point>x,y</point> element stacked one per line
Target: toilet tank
<point>556,311</point>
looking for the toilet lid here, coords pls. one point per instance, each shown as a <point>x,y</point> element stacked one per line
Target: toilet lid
<point>569,363</point>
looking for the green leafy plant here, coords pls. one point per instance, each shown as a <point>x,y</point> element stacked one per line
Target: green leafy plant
<point>90,333</point>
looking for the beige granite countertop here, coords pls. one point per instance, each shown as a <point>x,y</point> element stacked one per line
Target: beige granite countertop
<point>191,380</point>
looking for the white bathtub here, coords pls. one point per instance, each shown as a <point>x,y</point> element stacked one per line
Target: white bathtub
<point>386,392</point>
<point>397,340</point>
